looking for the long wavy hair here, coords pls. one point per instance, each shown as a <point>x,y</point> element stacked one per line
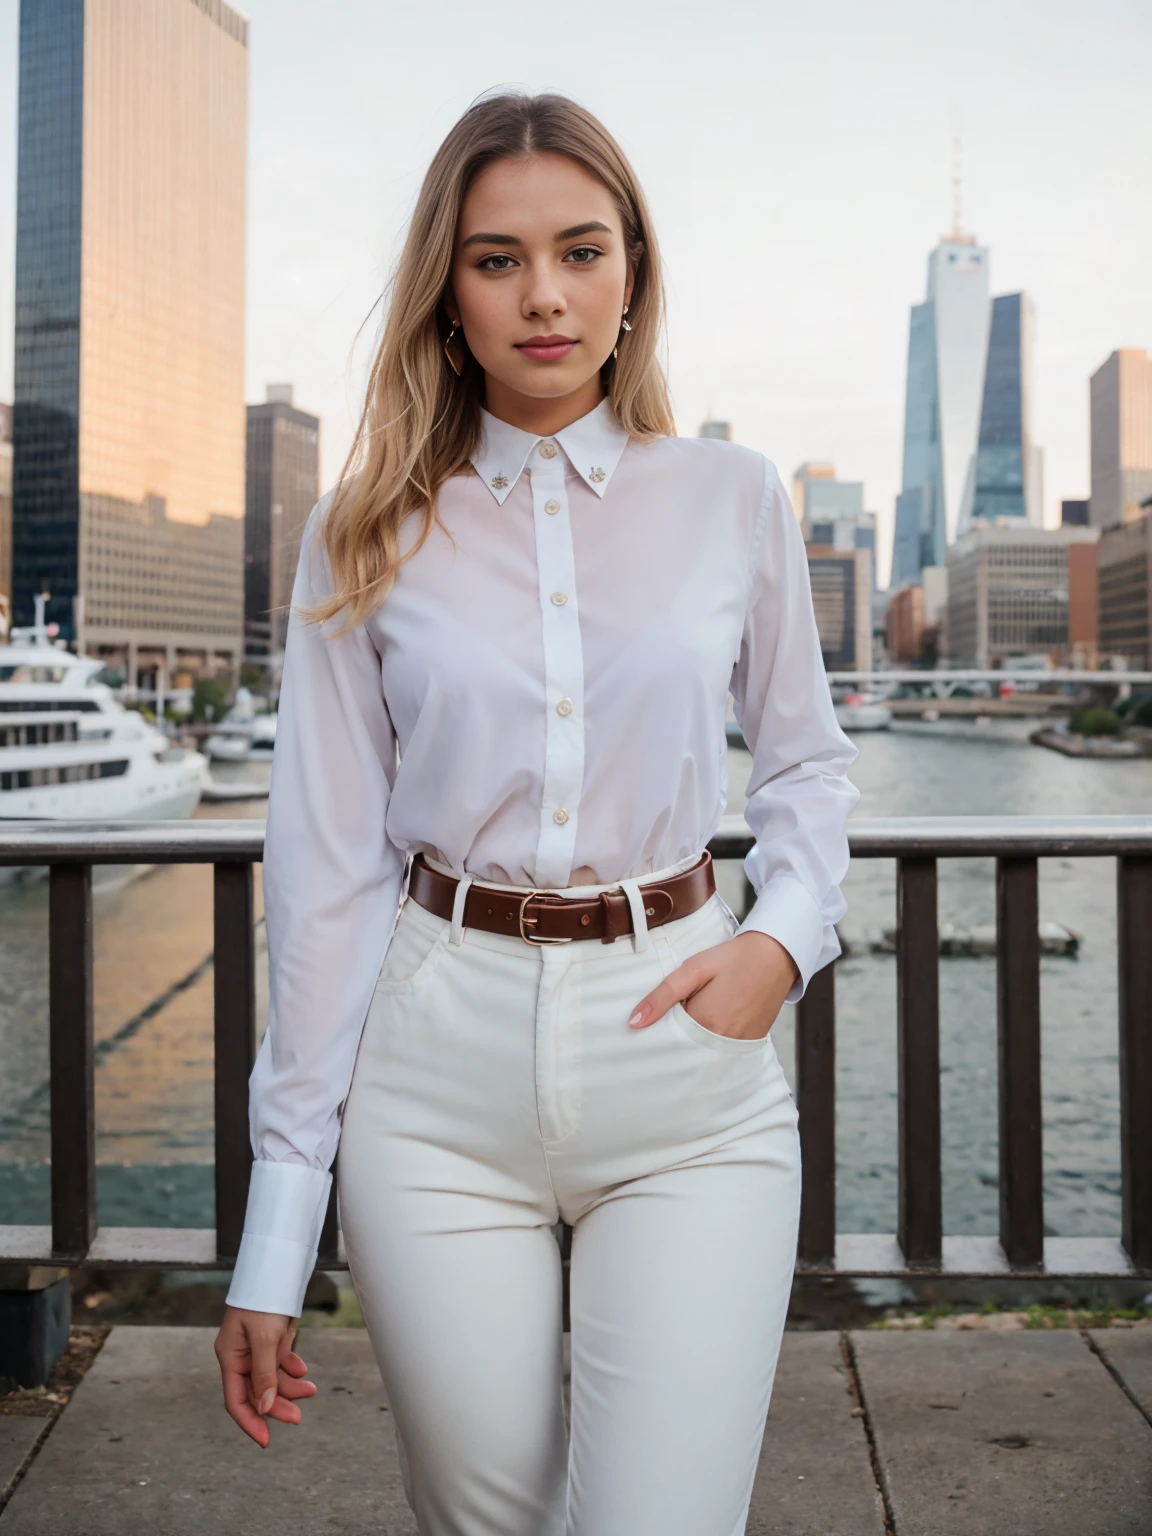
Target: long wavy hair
<point>420,422</point>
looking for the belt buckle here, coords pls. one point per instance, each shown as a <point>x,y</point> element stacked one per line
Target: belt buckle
<point>527,922</point>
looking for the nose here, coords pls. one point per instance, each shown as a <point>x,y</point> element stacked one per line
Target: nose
<point>543,294</point>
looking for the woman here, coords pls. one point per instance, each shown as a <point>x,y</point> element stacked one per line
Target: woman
<point>539,598</point>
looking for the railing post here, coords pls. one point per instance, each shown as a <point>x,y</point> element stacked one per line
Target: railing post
<point>919,1222</point>
<point>1134,942</point>
<point>72,1077</point>
<point>234,948</point>
<point>1018,1052</point>
<point>816,1103</point>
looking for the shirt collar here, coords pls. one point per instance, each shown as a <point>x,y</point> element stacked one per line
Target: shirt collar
<point>594,446</point>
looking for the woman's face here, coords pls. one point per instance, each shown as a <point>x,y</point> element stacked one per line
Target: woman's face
<point>540,279</point>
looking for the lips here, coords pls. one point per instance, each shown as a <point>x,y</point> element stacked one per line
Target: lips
<point>546,349</point>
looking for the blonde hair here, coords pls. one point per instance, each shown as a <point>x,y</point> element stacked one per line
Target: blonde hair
<point>420,423</point>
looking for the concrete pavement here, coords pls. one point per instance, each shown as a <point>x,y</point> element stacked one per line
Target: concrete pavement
<point>1034,1433</point>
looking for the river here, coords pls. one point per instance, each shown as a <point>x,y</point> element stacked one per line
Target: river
<point>153,1002</point>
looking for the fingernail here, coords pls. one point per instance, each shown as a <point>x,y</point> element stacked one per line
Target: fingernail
<point>636,1017</point>
<point>267,1400</point>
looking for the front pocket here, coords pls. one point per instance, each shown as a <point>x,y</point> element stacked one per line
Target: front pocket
<point>729,1045</point>
<point>410,956</point>
<point>672,955</point>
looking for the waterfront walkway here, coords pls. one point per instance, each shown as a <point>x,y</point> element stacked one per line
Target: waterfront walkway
<point>920,1433</point>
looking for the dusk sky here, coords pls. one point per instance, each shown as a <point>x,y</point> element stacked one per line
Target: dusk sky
<point>797,157</point>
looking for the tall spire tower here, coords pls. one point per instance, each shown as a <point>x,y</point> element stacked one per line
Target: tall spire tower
<point>947,354</point>
<point>957,190</point>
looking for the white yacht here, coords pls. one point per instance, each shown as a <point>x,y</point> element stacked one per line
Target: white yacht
<point>862,712</point>
<point>70,751</point>
<point>243,733</point>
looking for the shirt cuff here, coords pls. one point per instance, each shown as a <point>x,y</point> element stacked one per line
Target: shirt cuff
<point>282,1225</point>
<point>788,913</point>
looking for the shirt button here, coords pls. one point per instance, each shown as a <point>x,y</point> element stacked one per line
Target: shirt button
<point>559,598</point>
<point>548,450</point>
<point>560,816</point>
<point>552,506</point>
<point>564,707</point>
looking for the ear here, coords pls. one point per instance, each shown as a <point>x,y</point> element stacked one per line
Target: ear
<point>450,306</point>
<point>634,259</point>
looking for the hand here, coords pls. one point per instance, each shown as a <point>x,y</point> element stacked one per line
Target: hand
<point>261,1373</point>
<point>736,988</point>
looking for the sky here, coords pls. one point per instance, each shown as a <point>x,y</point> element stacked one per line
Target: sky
<point>797,157</point>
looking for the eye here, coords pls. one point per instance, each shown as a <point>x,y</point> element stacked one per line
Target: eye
<point>497,262</point>
<point>583,255</point>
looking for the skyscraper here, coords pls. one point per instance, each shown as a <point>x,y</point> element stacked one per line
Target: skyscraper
<point>947,348</point>
<point>283,487</point>
<point>1008,476</point>
<point>1121,402</point>
<point>832,512</point>
<point>128,494</point>
<point>1022,591</point>
<point>841,582</point>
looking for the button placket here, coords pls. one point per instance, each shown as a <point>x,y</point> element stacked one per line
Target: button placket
<point>563,669</point>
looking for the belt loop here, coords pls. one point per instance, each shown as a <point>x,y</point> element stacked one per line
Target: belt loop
<point>461,895</point>
<point>631,889</point>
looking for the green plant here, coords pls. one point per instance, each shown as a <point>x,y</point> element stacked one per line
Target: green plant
<point>209,699</point>
<point>1094,722</point>
<point>1139,710</point>
<point>254,678</point>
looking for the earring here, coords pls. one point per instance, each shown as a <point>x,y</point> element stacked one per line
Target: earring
<point>456,367</point>
<point>624,326</point>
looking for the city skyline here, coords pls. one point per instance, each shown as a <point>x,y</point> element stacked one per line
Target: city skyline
<point>793,236</point>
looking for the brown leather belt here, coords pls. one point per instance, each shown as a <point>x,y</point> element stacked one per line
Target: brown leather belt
<point>544,917</point>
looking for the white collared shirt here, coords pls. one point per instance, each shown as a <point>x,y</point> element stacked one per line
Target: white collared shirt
<point>540,701</point>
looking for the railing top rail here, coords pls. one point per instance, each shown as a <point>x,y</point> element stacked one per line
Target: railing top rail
<point>131,842</point>
<point>218,842</point>
<point>983,675</point>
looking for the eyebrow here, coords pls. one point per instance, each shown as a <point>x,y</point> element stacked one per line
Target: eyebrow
<point>593,226</point>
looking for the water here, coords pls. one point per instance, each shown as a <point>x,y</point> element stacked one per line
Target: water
<point>153,1006</point>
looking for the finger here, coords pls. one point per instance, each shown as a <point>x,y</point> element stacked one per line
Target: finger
<point>241,1410</point>
<point>264,1376</point>
<point>291,1362</point>
<point>681,983</point>
<point>284,1412</point>
<point>292,1387</point>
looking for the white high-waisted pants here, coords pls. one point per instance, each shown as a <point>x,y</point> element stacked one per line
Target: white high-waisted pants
<point>497,1089</point>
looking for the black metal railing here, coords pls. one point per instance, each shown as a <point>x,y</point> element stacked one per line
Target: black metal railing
<point>918,1244</point>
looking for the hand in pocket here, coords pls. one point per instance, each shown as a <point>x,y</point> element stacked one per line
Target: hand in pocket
<point>735,989</point>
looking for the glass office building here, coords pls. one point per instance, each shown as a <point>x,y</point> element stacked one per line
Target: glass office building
<point>283,487</point>
<point>128,422</point>
<point>1121,403</point>
<point>831,511</point>
<point>947,348</point>
<point>1007,481</point>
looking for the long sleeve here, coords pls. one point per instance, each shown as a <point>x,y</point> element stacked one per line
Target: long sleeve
<point>799,794</point>
<point>332,883</point>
